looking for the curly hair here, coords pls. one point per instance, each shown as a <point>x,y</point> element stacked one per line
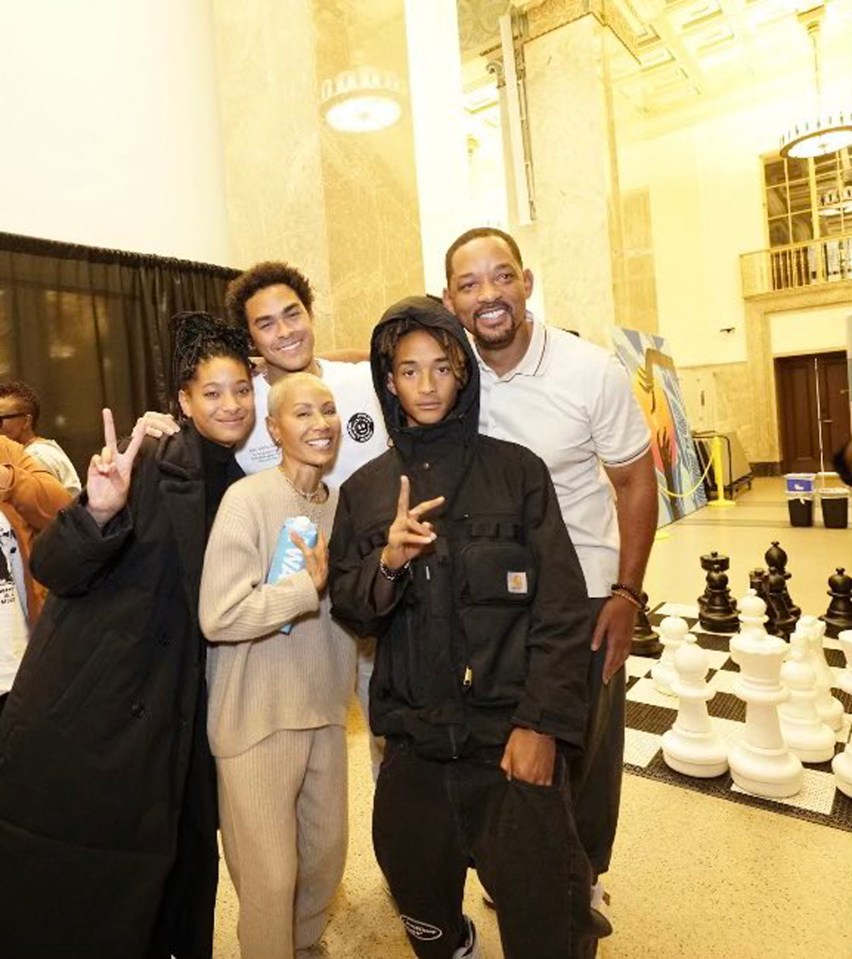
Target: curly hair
<point>476,234</point>
<point>25,395</point>
<point>197,337</point>
<point>259,277</point>
<point>390,335</point>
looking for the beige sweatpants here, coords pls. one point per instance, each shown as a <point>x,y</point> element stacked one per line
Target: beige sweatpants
<point>283,815</point>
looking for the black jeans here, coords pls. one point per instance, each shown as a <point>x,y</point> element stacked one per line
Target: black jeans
<point>432,820</point>
<point>596,775</point>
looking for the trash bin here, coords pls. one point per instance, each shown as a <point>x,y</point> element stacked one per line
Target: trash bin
<point>835,507</point>
<point>801,510</point>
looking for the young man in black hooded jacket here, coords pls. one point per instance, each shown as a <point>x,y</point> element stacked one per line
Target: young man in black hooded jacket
<point>483,623</point>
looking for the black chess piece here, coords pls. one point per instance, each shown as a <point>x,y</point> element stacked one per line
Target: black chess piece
<point>709,562</point>
<point>776,588</point>
<point>777,557</point>
<point>719,613</point>
<point>757,581</point>
<point>838,616</point>
<point>645,640</point>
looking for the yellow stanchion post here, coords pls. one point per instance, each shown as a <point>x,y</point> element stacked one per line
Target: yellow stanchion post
<point>721,501</point>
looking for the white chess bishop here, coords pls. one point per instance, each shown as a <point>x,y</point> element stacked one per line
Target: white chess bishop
<point>672,631</point>
<point>845,679</point>
<point>761,763</point>
<point>830,709</point>
<point>806,734</point>
<point>692,746</point>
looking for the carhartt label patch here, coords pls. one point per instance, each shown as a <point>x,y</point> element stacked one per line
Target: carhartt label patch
<point>517,583</point>
<point>420,930</point>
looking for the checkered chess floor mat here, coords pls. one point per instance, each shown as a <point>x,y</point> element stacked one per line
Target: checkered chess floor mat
<point>650,713</point>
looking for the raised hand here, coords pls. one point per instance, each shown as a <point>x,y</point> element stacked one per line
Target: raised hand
<point>408,536</point>
<point>108,479</point>
<point>316,559</point>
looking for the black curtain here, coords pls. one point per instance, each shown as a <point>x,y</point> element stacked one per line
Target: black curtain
<point>88,328</point>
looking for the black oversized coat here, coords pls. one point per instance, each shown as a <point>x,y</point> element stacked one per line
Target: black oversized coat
<point>104,729</point>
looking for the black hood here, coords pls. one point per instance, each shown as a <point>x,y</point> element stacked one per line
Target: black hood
<point>462,423</point>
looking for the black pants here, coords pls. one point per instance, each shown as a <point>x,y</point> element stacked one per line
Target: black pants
<point>596,775</point>
<point>432,820</point>
<point>3,699</point>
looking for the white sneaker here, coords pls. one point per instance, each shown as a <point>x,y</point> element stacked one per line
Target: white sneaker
<point>601,926</point>
<point>470,949</point>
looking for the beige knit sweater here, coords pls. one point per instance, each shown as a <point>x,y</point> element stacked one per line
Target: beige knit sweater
<point>261,680</point>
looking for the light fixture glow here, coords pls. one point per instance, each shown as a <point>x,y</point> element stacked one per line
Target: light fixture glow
<point>824,132</point>
<point>362,100</point>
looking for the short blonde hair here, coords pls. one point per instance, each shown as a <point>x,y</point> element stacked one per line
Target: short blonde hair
<point>280,387</point>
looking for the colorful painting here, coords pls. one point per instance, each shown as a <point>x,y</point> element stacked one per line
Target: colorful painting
<point>652,374</point>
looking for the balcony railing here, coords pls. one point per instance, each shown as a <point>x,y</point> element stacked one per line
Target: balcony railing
<point>797,265</point>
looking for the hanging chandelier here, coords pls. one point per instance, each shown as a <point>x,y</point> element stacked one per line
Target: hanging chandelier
<point>362,99</point>
<point>825,131</point>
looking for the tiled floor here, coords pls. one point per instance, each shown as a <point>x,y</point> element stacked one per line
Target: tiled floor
<point>692,876</point>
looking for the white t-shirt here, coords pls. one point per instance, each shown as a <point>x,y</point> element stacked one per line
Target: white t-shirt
<point>362,427</point>
<point>50,454</point>
<point>570,402</point>
<point>13,606</point>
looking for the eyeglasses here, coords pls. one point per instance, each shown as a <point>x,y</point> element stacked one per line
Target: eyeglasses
<point>10,416</point>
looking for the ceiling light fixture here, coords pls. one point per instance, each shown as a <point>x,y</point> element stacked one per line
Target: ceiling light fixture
<point>362,99</point>
<point>826,131</point>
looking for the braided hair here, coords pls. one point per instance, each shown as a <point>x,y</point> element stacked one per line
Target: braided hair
<point>198,337</point>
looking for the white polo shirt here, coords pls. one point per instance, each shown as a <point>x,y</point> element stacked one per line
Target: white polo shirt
<point>570,402</point>
<point>362,427</point>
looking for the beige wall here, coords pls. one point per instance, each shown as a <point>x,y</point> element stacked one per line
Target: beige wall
<point>111,130</point>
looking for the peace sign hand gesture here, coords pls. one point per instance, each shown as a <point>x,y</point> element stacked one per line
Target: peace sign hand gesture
<point>108,479</point>
<point>408,537</point>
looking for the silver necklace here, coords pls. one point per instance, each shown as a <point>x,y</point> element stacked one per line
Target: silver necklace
<point>317,496</point>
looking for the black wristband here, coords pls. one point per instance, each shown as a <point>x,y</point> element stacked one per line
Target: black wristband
<point>391,574</point>
<point>631,592</point>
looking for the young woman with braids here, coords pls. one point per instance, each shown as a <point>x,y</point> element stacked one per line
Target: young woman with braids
<point>107,787</point>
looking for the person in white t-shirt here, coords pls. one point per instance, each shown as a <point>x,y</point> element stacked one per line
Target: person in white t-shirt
<point>19,415</point>
<point>570,402</point>
<point>275,302</point>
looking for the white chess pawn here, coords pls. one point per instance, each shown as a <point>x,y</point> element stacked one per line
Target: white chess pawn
<point>761,763</point>
<point>845,679</point>
<point>806,734</point>
<point>672,631</point>
<point>691,746</point>
<point>830,709</point>
<point>841,766</point>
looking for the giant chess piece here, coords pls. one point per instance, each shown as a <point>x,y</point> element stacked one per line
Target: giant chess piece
<point>761,763</point>
<point>777,557</point>
<point>645,641</point>
<point>709,562</point>
<point>776,589</point>
<point>673,629</point>
<point>838,616</point>
<point>719,612</point>
<point>841,766</point>
<point>845,679</point>
<point>757,582</point>
<point>806,734</point>
<point>830,709</point>
<point>692,746</point>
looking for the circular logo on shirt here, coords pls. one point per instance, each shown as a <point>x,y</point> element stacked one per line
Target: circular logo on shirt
<point>361,427</point>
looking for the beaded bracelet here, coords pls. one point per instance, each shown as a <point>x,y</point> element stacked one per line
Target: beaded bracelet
<point>392,574</point>
<point>628,593</point>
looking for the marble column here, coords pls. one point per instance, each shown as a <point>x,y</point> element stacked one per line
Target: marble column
<point>271,126</point>
<point>576,192</point>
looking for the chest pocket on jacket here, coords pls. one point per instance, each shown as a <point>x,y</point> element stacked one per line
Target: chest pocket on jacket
<point>495,567</point>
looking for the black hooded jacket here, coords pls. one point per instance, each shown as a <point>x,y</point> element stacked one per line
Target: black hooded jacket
<point>491,628</point>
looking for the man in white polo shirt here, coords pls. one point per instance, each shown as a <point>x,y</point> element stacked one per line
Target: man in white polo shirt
<point>570,402</point>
